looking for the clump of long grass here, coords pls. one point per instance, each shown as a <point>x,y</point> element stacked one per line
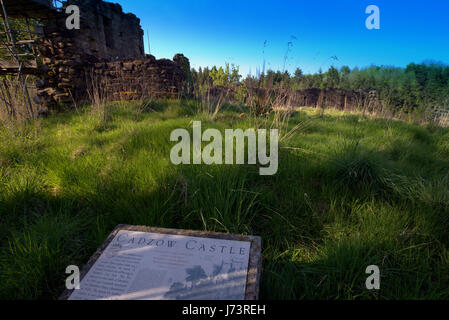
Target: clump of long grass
<point>355,168</point>
<point>98,98</point>
<point>17,103</point>
<point>433,192</point>
<point>210,101</point>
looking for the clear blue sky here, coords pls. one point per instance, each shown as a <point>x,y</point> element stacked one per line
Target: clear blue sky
<point>214,32</point>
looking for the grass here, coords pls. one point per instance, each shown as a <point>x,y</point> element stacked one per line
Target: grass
<point>350,191</point>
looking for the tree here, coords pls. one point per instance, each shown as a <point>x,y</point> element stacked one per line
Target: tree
<point>195,274</point>
<point>345,71</point>
<point>297,78</point>
<point>298,73</point>
<point>235,75</point>
<point>229,75</point>
<point>332,78</point>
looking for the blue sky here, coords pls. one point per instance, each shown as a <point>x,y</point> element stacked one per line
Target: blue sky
<point>214,32</point>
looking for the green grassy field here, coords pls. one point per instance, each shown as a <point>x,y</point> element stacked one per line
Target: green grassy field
<point>350,191</point>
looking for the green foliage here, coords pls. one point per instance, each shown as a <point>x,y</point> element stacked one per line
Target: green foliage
<point>332,78</point>
<point>217,76</point>
<point>22,25</point>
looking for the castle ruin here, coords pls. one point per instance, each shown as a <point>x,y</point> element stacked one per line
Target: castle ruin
<point>105,54</point>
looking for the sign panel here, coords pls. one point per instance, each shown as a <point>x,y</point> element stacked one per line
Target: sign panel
<point>141,264</point>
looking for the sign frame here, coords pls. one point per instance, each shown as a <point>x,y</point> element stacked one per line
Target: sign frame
<point>254,262</point>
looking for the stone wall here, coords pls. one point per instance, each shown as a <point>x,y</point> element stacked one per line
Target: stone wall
<point>62,69</point>
<point>106,32</point>
<point>318,98</point>
<point>106,54</point>
<point>336,98</point>
<point>142,78</point>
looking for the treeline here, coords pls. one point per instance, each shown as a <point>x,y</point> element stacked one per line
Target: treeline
<point>417,86</point>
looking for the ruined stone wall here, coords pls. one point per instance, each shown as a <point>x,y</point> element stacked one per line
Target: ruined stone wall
<point>336,98</point>
<point>106,54</point>
<point>142,78</point>
<point>106,32</point>
<point>318,98</point>
<point>70,76</point>
<point>62,79</point>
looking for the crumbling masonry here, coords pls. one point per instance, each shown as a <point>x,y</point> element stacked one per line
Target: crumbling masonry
<point>105,58</point>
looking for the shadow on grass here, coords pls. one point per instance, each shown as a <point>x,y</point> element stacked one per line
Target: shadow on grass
<point>338,272</point>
